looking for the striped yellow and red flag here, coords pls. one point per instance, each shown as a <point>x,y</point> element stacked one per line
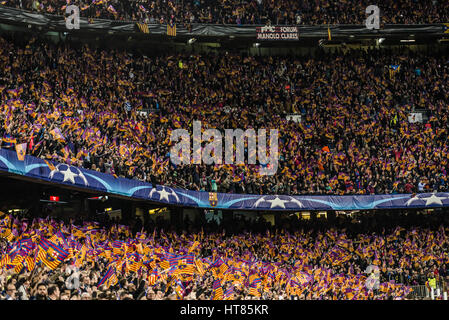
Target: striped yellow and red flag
<point>164,264</point>
<point>134,267</point>
<point>223,267</point>
<point>7,234</point>
<point>217,290</point>
<point>81,256</point>
<point>193,247</point>
<point>199,266</point>
<point>171,29</point>
<point>5,261</point>
<point>143,27</point>
<point>30,263</point>
<point>18,263</point>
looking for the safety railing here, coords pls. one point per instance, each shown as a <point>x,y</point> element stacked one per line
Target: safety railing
<point>425,292</point>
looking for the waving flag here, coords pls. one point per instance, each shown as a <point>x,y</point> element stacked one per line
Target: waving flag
<point>13,92</point>
<point>143,27</point>
<point>180,289</point>
<point>446,27</point>
<point>135,266</point>
<point>171,30</point>
<point>253,290</point>
<point>109,279</point>
<point>220,265</point>
<point>7,234</point>
<point>254,278</point>
<point>217,290</point>
<point>229,293</point>
<point>57,134</point>
<point>9,140</point>
<point>21,150</point>
<point>29,263</point>
<point>5,261</point>
<point>152,277</point>
<point>394,68</point>
<point>186,265</point>
<point>18,263</point>
<point>194,245</point>
<point>51,254</point>
<point>25,244</point>
<point>303,278</point>
<point>199,266</point>
<point>124,151</point>
<point>117,247</point>
<point>112,10</point>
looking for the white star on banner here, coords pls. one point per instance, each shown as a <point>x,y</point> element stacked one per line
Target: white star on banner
<point>69,176</point>
<point>163,194</point>
<point>277,203</point>
<point>433,199</point>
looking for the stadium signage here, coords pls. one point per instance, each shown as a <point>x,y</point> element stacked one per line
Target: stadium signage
<point>277,33</point>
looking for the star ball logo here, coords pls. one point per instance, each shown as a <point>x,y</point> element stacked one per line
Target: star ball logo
<point>212,152</point>
<point>163,194</point>
<point>277,202</point>
<point>435,199</point>
<point>69,173</point>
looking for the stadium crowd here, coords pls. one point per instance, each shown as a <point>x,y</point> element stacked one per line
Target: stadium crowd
<point>284,12</point>
<point>354,137</point>
<point>49,259</point>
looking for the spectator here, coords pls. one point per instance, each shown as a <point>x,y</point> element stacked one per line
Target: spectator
<point>41,293</point>
<point>53,293</point>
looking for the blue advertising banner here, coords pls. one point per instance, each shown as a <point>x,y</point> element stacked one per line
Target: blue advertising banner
<point>61,173</point>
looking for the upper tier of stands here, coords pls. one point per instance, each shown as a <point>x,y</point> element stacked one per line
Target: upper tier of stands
<point>354,137</point>
<point>276,12</point>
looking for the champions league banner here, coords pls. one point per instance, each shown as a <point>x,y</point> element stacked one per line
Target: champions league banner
<point>60,173</point>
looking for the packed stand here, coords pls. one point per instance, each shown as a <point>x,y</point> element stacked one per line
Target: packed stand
<point>89,115</point>
<point>354,137</point>
<point>48,259</point>
<point>260,12</point>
